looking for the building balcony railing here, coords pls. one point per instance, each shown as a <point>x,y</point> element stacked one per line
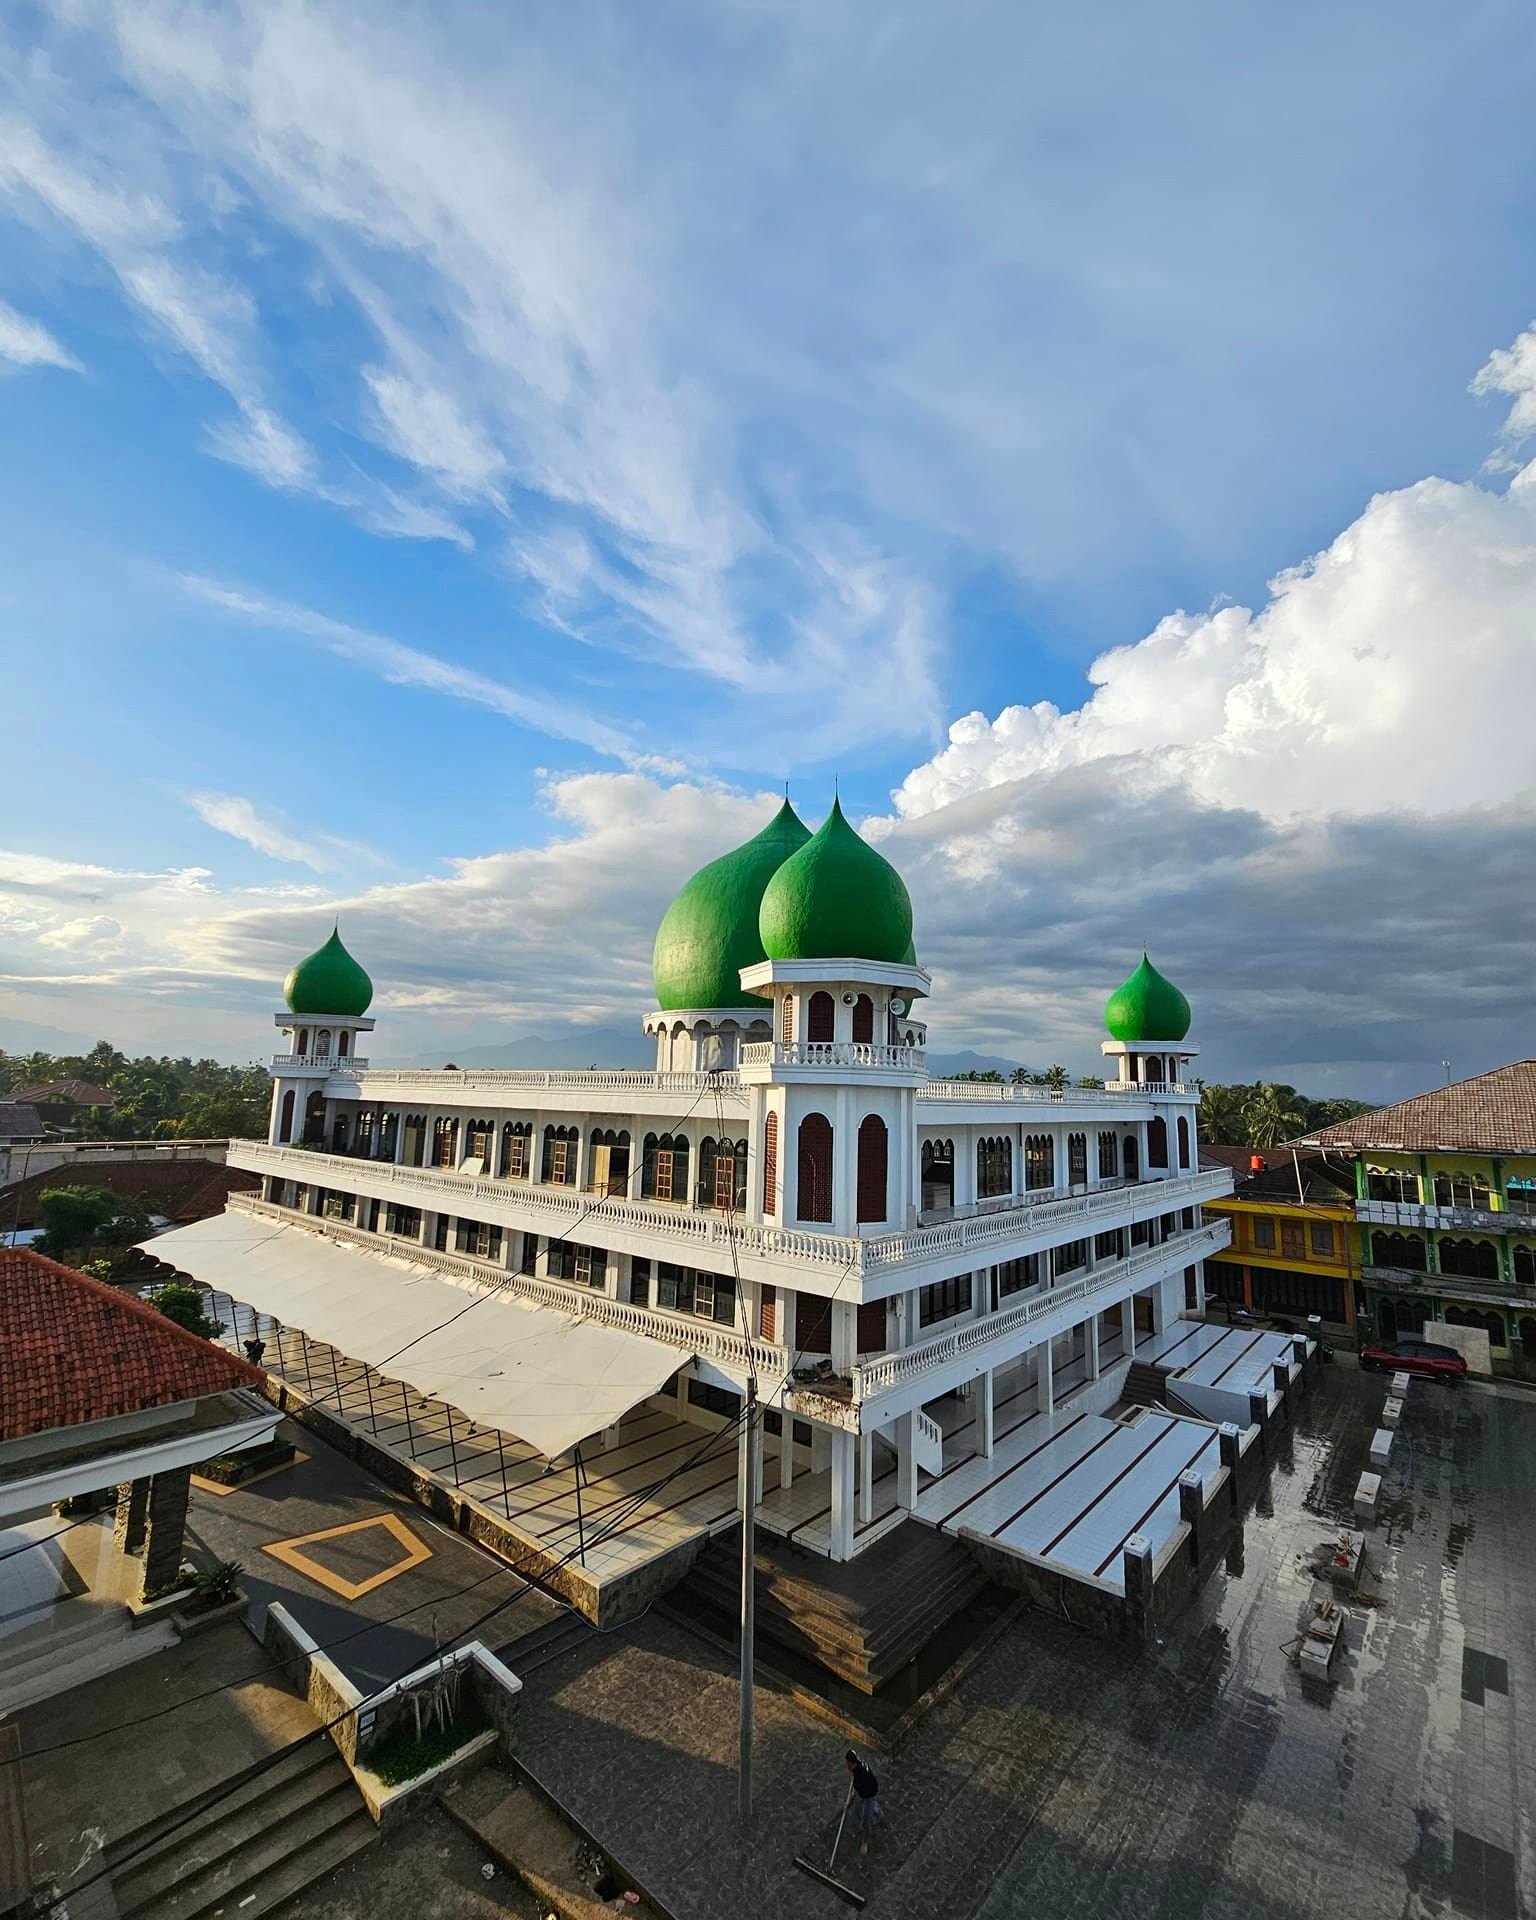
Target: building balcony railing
<point>1406,1213</point>
<point>830,1053</point>
<point>971,1339</point>
<point>701,1337</point>
<point>1449,1282</point>
<point>548,1079</point>
<point>708,1231</point>
<point>321,1062</point>
<point>1117,1092</point>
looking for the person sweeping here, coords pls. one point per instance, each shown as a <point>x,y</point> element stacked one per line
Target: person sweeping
<point>864,1798</point>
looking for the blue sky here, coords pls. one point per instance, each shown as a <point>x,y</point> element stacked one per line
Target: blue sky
<point>463,459</point>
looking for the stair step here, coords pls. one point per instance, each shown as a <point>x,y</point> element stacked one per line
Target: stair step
<point>287,1877</point>
<point>180,1828</point>
<point>53,1669</point>
<point>182,1882</point>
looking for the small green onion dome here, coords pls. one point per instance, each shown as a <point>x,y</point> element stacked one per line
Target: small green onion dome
<point>329,981</point>
<point>836,899</point>
<point>1147,1008</point>
<point>709,933</point>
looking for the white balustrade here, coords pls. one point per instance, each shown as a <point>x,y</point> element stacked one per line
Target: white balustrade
<point>326,1062</point>
<point>696,1336</point>
<point>1117,1090</point>
<point>542,1079</point>
<point>872,1377</point>
<point>829,1053</point>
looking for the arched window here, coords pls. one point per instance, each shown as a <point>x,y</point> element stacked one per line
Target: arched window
<point>479,1141</point>
<point>872,1181</point>
<point>1109,1156</point>
<point>1490,1323</point>
<point>608,1160</point>
<point>339,1134</point>
<point>814,1200</point>
<point>303,1046</point>
<point>1131,1158</point>
<point>445,1143</point>
<point>314,1118</point>
<point>341,1044</point>
<point>1183,1141</point>
<point>1039,1161</point>
<point>1528,1336</point>
<point>723,1174</point>
<point>362,1140</point>
<point>1404,1250</point>
<point>787,1020</point>
<point>664,1167</point>
<point>560,1145</point>
<point>938,1175</point>
<point>389,1136</point>
<point>516,1139</point>
<point>323,1044</point>
<point>1157,1142</point>
<point>1151,1070</point>
<point>819,1018</point>
<point>864,1020</point>
<point>1472,1259</point>
<point>1525,1266</point>
<point>771,1164</point>
<point>1077,1159</point>
<point>285,1122</point>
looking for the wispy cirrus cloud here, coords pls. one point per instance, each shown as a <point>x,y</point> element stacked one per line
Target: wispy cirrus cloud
<point>242,819</point>
<point>28,343</point>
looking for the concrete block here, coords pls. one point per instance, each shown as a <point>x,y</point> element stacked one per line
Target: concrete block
<point>1367,1496</point>
<point>1400,1383</point>
<point>1392,1412</point>
<point>1381,1447</point>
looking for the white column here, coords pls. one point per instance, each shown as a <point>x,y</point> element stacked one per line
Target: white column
<point>1091,1345</point>
<point>984,1397</point>
<point>844,1162</point>
<point>1128,1323</point>
<point>866,1477</point>
<point>842,1495</point>
<point>1046,1376</point>
<point>787,1451</point>
<point>906,1462</point>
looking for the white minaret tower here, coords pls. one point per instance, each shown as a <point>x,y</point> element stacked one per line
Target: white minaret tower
<point>328,996</point>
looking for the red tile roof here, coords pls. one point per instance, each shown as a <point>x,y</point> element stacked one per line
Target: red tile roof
<point>79,1093</point>
<point>1494,1112</point>
<point>74,1349</point>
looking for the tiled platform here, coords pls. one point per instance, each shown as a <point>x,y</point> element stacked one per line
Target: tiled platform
<point>614,1504</point>
<point>1229,1360</point>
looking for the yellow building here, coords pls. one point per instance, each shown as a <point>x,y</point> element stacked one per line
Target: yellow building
<point>1292,1251</point>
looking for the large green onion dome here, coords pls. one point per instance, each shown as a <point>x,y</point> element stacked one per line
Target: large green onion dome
<point>709,933</point>
<point>836,899</point>
<point>1147,1008</point>
<point>329,981</point>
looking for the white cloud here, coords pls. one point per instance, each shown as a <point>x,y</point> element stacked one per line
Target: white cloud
<point>409,667</point>
<point>99,935</point>
<point>28,343</point>
<point>241,819</point>
<point>1511,371</point>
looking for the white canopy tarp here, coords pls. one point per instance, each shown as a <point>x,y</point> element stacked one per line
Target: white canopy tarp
<point>549,1376</point>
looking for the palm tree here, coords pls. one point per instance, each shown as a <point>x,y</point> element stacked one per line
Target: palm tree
<point>1223,1115</point>
<point>1057,1078</point>
<point>1273,1114</point>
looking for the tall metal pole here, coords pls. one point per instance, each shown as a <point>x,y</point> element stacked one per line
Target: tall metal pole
<point>750,1476</point>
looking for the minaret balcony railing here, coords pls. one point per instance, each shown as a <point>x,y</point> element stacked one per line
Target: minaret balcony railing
<point>321,1062</point>
<point>830,1053</point>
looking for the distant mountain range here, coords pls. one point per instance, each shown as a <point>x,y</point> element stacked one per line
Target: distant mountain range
<point>562,1045</point>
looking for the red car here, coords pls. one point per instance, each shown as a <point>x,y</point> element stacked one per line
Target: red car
<point>1415,1356</point>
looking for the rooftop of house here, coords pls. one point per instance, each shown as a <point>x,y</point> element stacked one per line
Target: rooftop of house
<point>79,1093</point>
<point>77,1350</point>
<point>1493,1112</point>
<point>20,1121</point>
<point>1283,1175</point>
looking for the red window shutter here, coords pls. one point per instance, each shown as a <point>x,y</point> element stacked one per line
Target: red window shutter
<point>787,1021</point>
<point>768,1319</point>
<point>872,1326</point>
<point>864,1019</point>
<point>771,1164</point>
<point>815,1168</point>
<point>873,1183</point>
<point>819,1018</point>
<point>813,1324</point>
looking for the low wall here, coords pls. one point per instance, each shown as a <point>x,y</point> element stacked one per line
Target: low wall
<point>1086,1603</point>
<point>357,1722</point>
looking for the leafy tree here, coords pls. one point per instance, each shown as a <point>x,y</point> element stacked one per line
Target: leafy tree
<point>184,1305</point>
<point>1090,1080</point>
<point>73,1219</point>
<point>1056,1078</point>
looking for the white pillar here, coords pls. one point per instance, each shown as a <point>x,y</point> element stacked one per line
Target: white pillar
<point>866,1477</point>
<point>984,1397</point>
<point>906,1462</point>
<point>1046,1377</point>
<point>787,1450</point>
<point>1128,1323</point>
<point>842,1495</point>
<point>1091,1345</point>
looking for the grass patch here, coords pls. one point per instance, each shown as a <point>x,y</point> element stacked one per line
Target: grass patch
<point>400,1756</point>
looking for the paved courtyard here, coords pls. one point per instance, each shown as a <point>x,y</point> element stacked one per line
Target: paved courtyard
<point>1203,1781</point>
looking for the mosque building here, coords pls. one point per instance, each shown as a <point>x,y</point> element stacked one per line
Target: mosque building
<point>942,1293</point>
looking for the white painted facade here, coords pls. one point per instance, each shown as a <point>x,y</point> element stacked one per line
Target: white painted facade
<point>1006,1222</point>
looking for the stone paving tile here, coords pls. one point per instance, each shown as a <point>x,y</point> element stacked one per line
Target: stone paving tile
<point>1069,1777</point>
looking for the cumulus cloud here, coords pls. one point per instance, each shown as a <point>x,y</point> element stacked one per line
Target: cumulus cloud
<point>28,343</point>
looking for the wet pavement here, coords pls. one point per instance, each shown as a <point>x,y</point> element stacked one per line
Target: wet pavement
<point>1205,1780</point>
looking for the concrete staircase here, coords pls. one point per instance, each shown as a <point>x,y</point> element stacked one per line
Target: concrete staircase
<point>82,1641</point>
<point>1145,1385</point>
<point>250,1851</point>
<point>865,1620</point>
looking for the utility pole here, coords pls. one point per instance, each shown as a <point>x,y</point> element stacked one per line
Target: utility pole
<point>749,1478</point>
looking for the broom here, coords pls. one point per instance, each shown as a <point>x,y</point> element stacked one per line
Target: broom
<point>853,1897</point>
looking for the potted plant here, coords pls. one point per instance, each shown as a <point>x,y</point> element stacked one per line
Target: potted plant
<point>215,1595</point>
